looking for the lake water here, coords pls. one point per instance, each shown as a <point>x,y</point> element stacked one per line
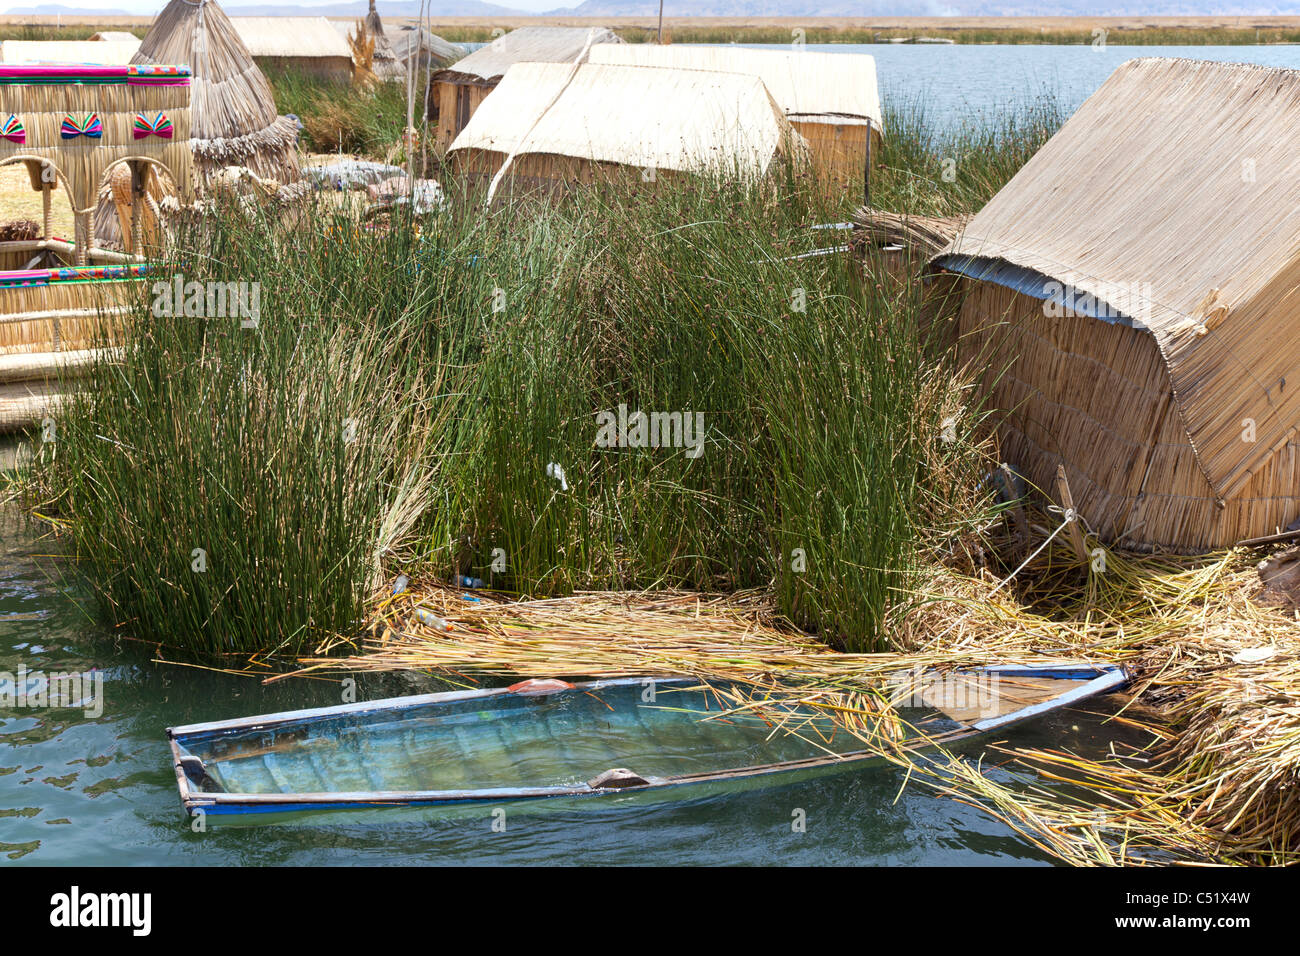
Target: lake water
<point>89,789</point>
<point>956,83</point>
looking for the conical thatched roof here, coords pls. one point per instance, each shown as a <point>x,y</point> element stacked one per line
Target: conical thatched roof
<point>232,110</point>
<point>386,64</point>
<point>234,118</point>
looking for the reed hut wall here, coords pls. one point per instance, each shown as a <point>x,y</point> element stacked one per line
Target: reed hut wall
<point>566,125</point>
<point>1160,224</point>
<point>65,316</point>
<point>103,99</point>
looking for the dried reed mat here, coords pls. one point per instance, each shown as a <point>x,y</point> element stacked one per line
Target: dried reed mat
<point>924,235</point>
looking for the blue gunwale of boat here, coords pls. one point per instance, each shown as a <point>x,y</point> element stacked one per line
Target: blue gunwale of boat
<point>1100,679</point>
<point>389,703</point>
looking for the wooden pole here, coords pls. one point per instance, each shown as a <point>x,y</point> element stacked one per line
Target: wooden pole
<point>866,170</point>
<point>1067,502</point>
<point>661,22</point>
<point>47,194</point>
<point>137,200</point>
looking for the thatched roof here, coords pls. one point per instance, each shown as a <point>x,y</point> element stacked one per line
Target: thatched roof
<point>526,45</point>
<point>407,42</point>
<point>684,120</point>
<point>837,86</point>
<point>232,109</point>
<point>102,52</point>
<point>1173,197</point>
<point>294,37</point>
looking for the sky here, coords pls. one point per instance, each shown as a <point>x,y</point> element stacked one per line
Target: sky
<point>148,7</point>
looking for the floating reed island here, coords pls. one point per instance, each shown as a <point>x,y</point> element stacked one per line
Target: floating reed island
<point>863,495</point>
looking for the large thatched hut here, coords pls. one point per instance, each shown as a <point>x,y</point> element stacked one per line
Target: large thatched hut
<point>831,99</point>
<point>458,91</point>
<point>232,110</point>
<point>1134,297</point>
<point>559,123</point>
<point>307,45</point>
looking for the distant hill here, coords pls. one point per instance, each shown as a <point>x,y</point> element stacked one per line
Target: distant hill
<point>742,8</point>
<point>356,8</point>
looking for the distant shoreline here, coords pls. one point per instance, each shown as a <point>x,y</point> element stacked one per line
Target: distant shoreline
<point>1163,31</point>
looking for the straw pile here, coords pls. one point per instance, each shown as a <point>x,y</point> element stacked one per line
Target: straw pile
<point>922,235</point>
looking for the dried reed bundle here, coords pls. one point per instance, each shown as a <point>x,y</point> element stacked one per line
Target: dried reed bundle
<point>18,230</point>
<point>924,235</point>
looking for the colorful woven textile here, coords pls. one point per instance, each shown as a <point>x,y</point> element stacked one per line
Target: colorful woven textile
<point>48,74</point>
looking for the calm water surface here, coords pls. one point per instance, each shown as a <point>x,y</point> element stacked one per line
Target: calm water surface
<point>87,790</point>
<point>958,83</point>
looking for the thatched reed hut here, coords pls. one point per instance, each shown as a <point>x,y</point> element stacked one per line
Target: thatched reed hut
<point>308,45</point>
<point>116,52</point>
<point>233,116</point>
<point>71,128</point>
<point>561,123</point>
<point>458,91</point>
<point>429,50</point>
<point>233,110</point>
<point>1134,295</point>
<point>831,99</point>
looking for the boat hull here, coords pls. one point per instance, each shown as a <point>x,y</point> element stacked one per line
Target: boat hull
<point>282,767</point>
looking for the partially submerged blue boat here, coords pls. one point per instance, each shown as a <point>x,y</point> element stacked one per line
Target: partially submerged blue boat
<point>542,740</point>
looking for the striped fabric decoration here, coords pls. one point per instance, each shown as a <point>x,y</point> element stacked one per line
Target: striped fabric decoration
<point>13,130</point>
<point>27,278</point>
<point>143,126</point>
<point>45,74</point>
<point>152,74</point>
<point>89,126</point>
